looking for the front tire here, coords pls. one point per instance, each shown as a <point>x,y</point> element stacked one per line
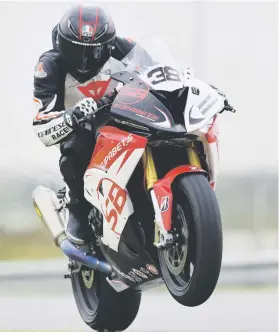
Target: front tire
<point>191,268</point>
<point>99,305</point>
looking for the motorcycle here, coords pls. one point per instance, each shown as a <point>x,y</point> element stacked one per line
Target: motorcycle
<point>151,182</point>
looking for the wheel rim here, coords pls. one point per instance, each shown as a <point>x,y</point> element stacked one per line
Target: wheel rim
<point>177,257</point>
<point>88,278</point>
<point>86,281</point>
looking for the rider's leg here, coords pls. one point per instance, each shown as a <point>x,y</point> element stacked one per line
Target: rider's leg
<point>76,153</point>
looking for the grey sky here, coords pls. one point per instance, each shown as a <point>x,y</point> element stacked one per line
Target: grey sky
<point>232,45</point>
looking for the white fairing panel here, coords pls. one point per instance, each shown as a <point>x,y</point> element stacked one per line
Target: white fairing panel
<point>203,103</point>
<point>113,200</point>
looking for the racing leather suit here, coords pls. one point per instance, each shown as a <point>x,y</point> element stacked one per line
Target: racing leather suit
<point>55,91</point>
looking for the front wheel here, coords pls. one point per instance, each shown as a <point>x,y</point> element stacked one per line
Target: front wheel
<point>192,266</point>
<point>100,306</point>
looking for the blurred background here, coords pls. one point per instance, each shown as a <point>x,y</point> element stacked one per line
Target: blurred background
<point>230,44</point>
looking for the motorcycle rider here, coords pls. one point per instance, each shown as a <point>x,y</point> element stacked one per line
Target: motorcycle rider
<point>68,82</point>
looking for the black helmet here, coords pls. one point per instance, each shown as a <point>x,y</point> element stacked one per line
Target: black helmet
<point>86,35</point>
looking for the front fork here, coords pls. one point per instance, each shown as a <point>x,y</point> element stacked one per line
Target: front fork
<point>162,237</point>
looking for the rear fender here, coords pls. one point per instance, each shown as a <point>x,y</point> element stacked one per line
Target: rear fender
<point>163,192</point>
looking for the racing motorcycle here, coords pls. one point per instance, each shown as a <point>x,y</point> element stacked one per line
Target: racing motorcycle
<point>151,182</point>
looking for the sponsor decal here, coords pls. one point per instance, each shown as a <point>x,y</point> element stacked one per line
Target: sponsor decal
<point>138,112</point>
<point>87,31</point>
<point>61,133</point>
<point>209,106</point>
<point>152,269</point>
<point>139,273</point>
<point>85,44</point>
<point>39,71</point>
<point>132,93</point>
<point>134,276</point>
<point>58,131</point>
<point>195,91</point>
<point>164,203</point>
<point>123,274</point>
<point>130,124</point>
<point>143,270</point>
<point>95,90</point>
<point>125,142</point>
<point>204,101</point>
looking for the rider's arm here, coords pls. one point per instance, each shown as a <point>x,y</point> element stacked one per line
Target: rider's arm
<point>49,124</point>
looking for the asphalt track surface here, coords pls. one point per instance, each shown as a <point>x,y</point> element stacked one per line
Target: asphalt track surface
<point>48,305</point>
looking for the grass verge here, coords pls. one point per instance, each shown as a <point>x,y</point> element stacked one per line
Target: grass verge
<point>31,246</point>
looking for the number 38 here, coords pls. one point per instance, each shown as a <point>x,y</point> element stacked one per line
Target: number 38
<point>162,74</point>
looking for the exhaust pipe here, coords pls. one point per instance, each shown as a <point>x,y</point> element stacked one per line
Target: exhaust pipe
<point>78,255</point>
<point>47,206</point>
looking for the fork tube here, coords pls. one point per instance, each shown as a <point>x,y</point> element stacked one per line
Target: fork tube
<point>151,177</point>
<point>193,156</point>
<point>149,168</point>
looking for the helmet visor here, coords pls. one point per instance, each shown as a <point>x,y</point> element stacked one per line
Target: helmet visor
<point>82,57</point>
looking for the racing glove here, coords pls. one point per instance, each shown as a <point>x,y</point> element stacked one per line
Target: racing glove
<point>88,106</point>
<point>82,109</point>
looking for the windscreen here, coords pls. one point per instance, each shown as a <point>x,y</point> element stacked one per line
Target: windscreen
<point>152,61</point>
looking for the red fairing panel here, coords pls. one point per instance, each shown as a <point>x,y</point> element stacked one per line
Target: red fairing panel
<point>111,143</point>
<point>212,134</point>
<point>163,191</point>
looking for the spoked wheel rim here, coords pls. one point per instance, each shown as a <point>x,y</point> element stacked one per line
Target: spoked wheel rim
<point>178,257</point>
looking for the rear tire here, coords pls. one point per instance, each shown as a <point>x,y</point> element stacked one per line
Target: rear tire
<point>100,306</point>
<point>191,273</point>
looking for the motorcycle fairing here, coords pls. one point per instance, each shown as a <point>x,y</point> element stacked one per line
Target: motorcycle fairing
<point>114,159</point>
<point>203,103</point>
<point>131,260</point>
<point>163,192</point>
<point>136,103</point>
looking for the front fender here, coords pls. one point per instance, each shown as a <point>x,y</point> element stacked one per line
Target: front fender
<point>163,192</point>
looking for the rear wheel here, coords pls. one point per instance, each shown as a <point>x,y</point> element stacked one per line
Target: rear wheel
<point>100,306</point>
<point>191,267</point>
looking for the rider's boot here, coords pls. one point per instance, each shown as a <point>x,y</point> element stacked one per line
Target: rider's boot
<point>78,229</point>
